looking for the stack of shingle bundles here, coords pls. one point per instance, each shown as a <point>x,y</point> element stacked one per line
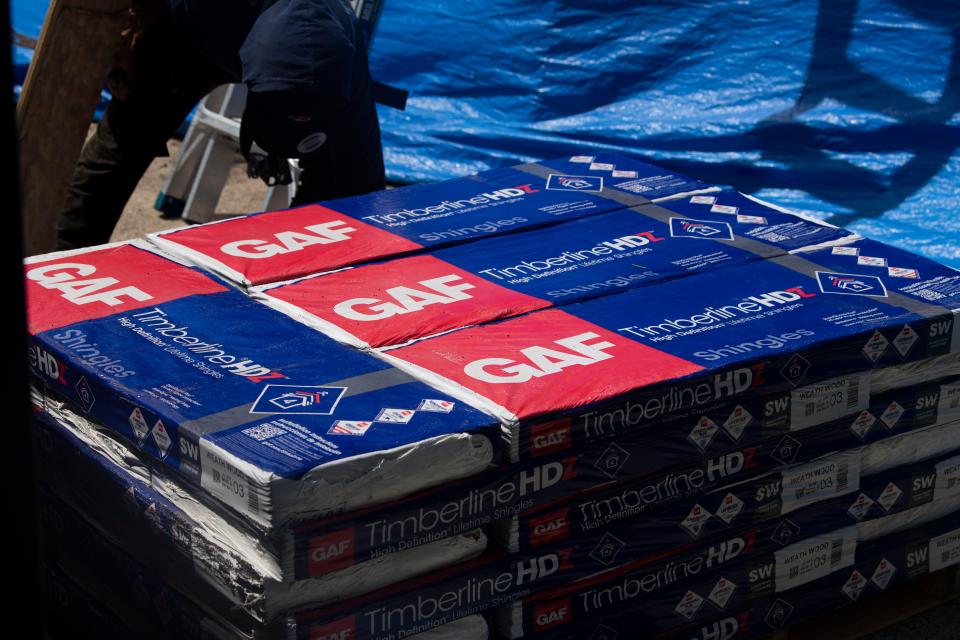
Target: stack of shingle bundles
<point>700,341</point>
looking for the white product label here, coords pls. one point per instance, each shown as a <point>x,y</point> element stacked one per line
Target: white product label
<point>349,428</point>
<point>582,159</point>
<point>889,496</point>
<point>949,400</point>
<point>724,208</point>
<point>862,423</point>
<point>860,507</point>
<point>948,478</point>
<point>814,558</point>
<point>702,199</point>
<point>161,437</point>
<point>903,272</point>
<point>870,261</point>
<point>138,424</point>
<point>738,420</point>
<point>845,251</point>
<point>875,346</point>
<point>601,166</point>
<point>619,173</point>
<point>721,592</point>
<point>730,508</point>
<point>883,573</point>
<point>892,414</point>
<point>745,219</point>
<point>695,520</point>
<point>436,406</point>
<point>905,340</point>
<point>225,481</point>
<point>945,550</point>
<point>854,585</point>
<point>810,483</point>
<point>703,432</point>
<point>396,416</point>
<point>689,605</point>
<point>819,403</point>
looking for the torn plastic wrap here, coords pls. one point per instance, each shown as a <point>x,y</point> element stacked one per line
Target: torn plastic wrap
<point>282,245</point>
<point>232,395</point>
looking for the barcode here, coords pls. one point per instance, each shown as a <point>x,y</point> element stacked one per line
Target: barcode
<point>843,473</point>
<point>836,552</point>
<point>809,409</point>
<point>253,501</point>
<point>794,572</point>
<point>853,393</point>
<point>945,557</point>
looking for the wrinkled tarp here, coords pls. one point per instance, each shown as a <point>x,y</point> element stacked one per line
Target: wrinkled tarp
<point>845,109</point>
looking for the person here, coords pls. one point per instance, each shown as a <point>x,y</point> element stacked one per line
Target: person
<point>310,97</point>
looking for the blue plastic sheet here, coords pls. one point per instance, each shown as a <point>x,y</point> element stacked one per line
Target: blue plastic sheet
<point>848,110</point>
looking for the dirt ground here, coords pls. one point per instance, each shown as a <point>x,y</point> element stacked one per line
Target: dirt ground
<point>240,195</point>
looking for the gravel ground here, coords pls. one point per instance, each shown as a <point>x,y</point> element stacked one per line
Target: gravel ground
<point>244,195</point>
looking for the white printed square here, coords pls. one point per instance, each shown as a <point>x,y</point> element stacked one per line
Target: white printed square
<point>349,427</point>
<point>745,219</point>
<point>870,261</point>
<point>902,272</point>
<point>582,159</point>
<point>602,166</point>
<point>436,406</point>
<point>845,251</point>
<point>724,208</point>
<point>702,200</point>
<point>621,173</point>
<point>396,416</point>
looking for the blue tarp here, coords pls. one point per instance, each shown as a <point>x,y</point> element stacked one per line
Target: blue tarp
<point>846,109</point>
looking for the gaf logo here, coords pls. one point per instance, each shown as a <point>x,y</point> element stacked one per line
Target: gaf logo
<point>549,437</point>
<point>290,241</point>
<point>851,284</point>
<point>592,184</point>
<point>74,283</point>
<point>550,615</point>
<point>700,229</point>
<point>331,552</point>
<point>339,630</point>
<point>288,398</point>
<point>549,528</point>
<point>538,361</point>
<point>402,300</point>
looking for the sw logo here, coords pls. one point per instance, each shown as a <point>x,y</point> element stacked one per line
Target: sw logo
<point>700,229</point>
<point>851,284</point>
<point>288,398</point>
<point>592,184</point>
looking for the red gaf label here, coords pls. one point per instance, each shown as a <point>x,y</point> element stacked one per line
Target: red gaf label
<point>546,616</point>
<point>287,244</point>
<point>94,284</point>
<point>545,362</point>
<point>330,552</point>
<point>549,527</point>
<point>403,299</point>
<point>550,437</point>
<point>343,629</point>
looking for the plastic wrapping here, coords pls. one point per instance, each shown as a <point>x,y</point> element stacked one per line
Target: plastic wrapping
<point>282,245</point>
<point>397,301</point>
<point>232,395</point>
<point>769,325</point>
